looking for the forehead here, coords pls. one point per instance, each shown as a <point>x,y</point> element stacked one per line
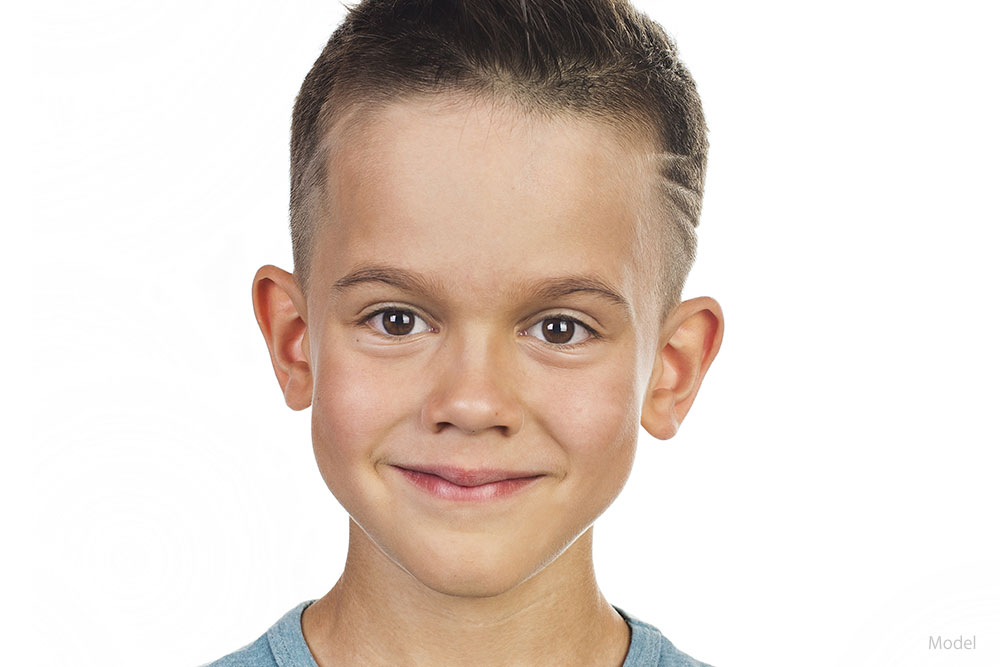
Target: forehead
<point>457,188</point>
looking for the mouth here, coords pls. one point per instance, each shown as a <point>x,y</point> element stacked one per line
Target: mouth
<point>468,484</point>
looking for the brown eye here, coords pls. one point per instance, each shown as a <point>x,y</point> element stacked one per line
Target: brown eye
<point>560,331</point>
<point>398,322</point>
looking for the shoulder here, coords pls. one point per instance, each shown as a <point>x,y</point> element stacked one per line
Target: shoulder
<point>649,648</point>
<point>283,645</point>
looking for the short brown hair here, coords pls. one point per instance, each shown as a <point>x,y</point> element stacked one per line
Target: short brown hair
<point>599,58</point>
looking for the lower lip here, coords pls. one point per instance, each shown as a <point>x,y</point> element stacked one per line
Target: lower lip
<point>442,488</point>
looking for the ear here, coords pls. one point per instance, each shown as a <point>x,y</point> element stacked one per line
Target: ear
<point>280,308</point>
<point>689,340</point>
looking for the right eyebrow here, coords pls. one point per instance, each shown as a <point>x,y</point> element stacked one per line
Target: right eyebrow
<point>387,275</point>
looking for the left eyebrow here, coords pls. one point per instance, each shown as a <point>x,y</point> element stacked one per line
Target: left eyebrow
<point>555,288</point>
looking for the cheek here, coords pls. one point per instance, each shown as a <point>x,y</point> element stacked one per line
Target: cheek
<point>594,418</point>
<point>356,400</point>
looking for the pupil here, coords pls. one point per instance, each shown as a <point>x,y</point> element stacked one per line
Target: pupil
<point>397,322</point>
<point>558,331</point>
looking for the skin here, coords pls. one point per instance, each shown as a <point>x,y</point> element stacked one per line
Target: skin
<point>483,224</point>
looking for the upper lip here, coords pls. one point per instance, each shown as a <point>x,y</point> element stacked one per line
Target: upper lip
<point>469,476</point>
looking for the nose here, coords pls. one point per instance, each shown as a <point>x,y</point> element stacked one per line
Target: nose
<point>474,389</point>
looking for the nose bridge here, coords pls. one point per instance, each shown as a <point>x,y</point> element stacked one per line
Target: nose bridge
<point>475,388</point>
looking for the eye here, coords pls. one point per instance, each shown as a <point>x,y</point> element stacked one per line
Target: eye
<point>560,331</point>
<point>397,322</point>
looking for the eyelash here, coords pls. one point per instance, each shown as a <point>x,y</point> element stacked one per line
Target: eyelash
<point>593,335</point>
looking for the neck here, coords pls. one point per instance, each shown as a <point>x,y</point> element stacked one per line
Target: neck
<point>377,613</point>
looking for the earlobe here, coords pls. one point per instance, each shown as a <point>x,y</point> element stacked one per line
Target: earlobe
<point>690,339</point>
<point>279,306</point>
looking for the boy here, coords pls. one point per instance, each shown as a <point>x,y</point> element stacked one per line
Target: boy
<point>492,208</point>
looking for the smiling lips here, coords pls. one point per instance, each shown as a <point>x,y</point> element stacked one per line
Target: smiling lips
<point>469,485</point>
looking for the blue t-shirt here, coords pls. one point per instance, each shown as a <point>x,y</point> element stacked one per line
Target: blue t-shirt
<point>285,646</point>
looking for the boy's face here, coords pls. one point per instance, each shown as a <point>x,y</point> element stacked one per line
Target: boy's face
<point>479,310</point>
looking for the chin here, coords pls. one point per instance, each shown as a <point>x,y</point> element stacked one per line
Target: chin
<point>469,582</point>
<point>471,571</point>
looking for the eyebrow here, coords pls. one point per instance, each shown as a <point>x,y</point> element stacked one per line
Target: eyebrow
<point>398,278</point>
<point>545,289</point>
<point>554,288</point>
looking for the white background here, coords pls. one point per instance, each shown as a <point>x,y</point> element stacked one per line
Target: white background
<point>831,500</point>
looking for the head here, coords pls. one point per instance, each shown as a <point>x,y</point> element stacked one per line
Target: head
<point>493,208</point>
